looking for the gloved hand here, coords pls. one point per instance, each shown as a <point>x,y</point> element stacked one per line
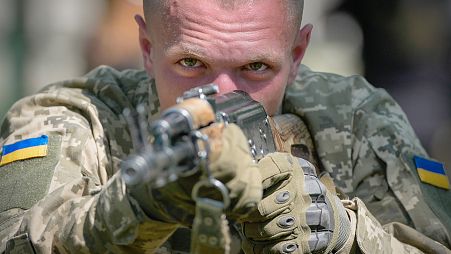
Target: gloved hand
<point>233,166</point>
<point>297,213</point>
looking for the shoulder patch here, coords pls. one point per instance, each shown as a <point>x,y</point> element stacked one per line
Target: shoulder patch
<point>25,149</point>
<point>431,172</point>
<point>25,182</point>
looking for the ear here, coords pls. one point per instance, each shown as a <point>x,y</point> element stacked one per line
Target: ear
<point>299,48</point>
<point>145,44</point>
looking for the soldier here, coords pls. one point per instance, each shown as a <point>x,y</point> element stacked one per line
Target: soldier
<point>61,187</point>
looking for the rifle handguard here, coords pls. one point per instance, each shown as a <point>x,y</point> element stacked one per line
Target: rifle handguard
<point>174,150</point>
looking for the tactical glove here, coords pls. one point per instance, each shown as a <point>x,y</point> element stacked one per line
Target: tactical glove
<point>230,163</point>
<point>297,213</point>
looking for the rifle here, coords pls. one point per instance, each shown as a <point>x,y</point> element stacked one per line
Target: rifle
<point>173,146</point>
<point>176,146</point>
<point>169,146</point>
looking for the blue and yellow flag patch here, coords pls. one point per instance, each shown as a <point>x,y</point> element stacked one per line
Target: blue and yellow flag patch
<point>25,149</point>
<point>431,172</point>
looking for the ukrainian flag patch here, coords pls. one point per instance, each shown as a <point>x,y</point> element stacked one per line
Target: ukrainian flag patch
<point>25,149</point>
<point>431,172</point>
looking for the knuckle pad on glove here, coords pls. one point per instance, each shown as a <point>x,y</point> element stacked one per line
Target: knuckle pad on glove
<point>285,246</point>
<point>275,202</point>
<point>288,203</point>
<point>282,225</point>
<point>282,210</point>
<point>318,222</point>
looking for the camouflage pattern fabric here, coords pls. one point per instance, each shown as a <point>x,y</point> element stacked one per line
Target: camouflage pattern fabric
<point>363,138</point>
<point>371,237</point>
<point>86,210</point>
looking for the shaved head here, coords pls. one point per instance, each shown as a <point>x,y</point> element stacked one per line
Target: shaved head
<point>294,8</point>
<point>254,46</point>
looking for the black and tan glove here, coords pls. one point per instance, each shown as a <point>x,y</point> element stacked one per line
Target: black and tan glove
<point>297,213</point>
<point>233,166</point>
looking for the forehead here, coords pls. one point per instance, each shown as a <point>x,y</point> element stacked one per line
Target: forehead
<point>245,20</point>
<point>173,7</point>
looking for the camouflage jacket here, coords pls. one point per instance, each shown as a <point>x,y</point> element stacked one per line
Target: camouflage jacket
<point>68,197</point>
<point>364,140</point>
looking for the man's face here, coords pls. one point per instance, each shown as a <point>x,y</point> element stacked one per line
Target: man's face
<point>249,47</point>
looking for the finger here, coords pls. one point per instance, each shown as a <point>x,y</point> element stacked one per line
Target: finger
<point>246,193</point>
<point>235,154</point>
<point>214,133</point>
<point>282,225</point>
<point>288,246</point>
<point>274,203</point>
<point>238,171</point>
<point>273,165</point>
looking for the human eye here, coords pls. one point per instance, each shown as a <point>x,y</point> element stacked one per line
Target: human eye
<point>190,67</point>
<point>256,67</point>
<point>258,71</point>
<point>190,62</point>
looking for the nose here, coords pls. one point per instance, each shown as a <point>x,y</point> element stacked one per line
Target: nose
<point>226,83</point>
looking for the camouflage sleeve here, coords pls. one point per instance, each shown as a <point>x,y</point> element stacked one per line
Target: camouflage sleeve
<point>67,200</point>
<point>371,237</point>
<point>384,139</point>
<point>365,142</point>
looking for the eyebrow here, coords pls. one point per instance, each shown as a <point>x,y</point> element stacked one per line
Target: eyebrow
<point>186,50</point>
<point>198,52</point>
<point>267,57</point>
